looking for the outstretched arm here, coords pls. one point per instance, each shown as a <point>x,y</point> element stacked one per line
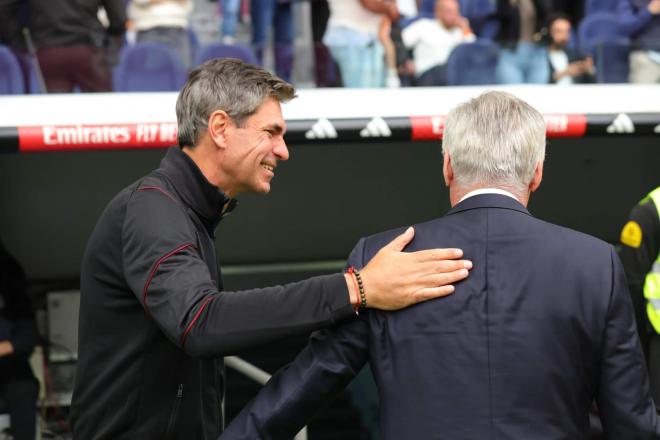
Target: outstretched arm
<point>166,272</point>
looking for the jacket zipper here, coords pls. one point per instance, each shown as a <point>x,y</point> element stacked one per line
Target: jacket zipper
<point>175,409</point>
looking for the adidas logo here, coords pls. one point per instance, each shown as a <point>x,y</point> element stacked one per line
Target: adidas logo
<point>622,124</point>
<point>377,127</point>
<point>322,129</point>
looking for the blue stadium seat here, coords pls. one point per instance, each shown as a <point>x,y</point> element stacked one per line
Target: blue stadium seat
<point>426,8</point>
<point>34,81</point>
<point>600,35</point>
<point>218,50</point>
<point>194,43</point>
<point>595,6</point>
<point>149,67</point>
<point>473,63</point>
<point>11,76</point>
<point>598,27</point>
<point>477,8</point>
<point>611,59</point>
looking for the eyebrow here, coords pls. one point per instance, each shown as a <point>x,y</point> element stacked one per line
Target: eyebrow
<point>277,128</point>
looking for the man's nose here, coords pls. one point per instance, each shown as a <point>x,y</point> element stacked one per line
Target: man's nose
<point>281,151</point>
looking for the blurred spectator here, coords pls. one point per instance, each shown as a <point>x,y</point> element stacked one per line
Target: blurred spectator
<point>72,44</point>
<point>10,24</point>
<point>523,59</point>
<point>385,33</point>
<point>432,40</point>
<point>325,70</point>
<point>640,19</point>
<point>12,21</point>
<point>567,66</point>
<point>229,23</point>
<point>400,65</point>
<point>353,39</point>
<point>18,336</point>
<point>165,22</point>
<point>275,15</point>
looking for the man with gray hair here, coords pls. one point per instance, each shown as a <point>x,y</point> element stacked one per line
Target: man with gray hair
<point>154,319</point>
<point>541,328</point>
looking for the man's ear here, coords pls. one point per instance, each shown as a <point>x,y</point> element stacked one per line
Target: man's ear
<point>447,169</point>
<point>538,176</point>
<point>219,124</point>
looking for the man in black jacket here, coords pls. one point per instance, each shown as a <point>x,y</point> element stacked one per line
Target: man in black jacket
<point>154,319</point>
<point>18,337</point>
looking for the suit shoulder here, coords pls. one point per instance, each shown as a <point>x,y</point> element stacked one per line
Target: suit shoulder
<point>373,243</point>
<point>385,237</point>
<point>572,239</point>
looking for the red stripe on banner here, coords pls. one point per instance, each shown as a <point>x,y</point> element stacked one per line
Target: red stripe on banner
<point>559,125</point>
<point>96,137</point>
<point>426,128</point>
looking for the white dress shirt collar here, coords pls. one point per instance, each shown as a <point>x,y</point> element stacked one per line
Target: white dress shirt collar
<point>479,191</point>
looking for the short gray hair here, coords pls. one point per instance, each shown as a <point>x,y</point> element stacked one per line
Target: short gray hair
<point>226,84</point>
<point>495,139</point>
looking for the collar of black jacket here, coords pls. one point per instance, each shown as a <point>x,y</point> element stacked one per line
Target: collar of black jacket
<point>489,201</point>
<point>206,199</point>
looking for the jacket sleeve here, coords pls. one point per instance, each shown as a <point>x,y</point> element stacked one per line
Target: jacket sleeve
<point>623,395</point>
<point>631,21</point>
<point>164,269</point>
<point>298,391</point>
<point>116,11</point>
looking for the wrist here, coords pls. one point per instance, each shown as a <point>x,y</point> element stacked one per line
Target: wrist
<point>359,286</point>
<point>353,295</point>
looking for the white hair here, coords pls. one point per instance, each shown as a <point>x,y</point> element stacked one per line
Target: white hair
<point>495,139</point>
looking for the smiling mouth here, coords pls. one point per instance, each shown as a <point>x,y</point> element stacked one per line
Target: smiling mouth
<point>268,167</point>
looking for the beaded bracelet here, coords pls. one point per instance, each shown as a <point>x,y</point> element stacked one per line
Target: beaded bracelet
<point>363,297</point>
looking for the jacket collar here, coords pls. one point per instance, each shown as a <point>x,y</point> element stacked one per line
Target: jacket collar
<point>488,201</point>
<point>194,189</point>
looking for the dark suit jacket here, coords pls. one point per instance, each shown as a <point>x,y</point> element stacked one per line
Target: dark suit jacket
<point>541,327</point>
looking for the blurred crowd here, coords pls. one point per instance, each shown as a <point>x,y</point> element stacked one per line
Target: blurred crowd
<point>63,46</point>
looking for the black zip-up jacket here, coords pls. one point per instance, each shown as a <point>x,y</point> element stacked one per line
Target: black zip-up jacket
<point>154,321</point>
<point>637,263</point>
<point>60,23</point>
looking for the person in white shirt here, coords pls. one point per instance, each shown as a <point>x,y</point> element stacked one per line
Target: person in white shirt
<point>433,39</point>
<point>352,36</point>
<point>567,66</point>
